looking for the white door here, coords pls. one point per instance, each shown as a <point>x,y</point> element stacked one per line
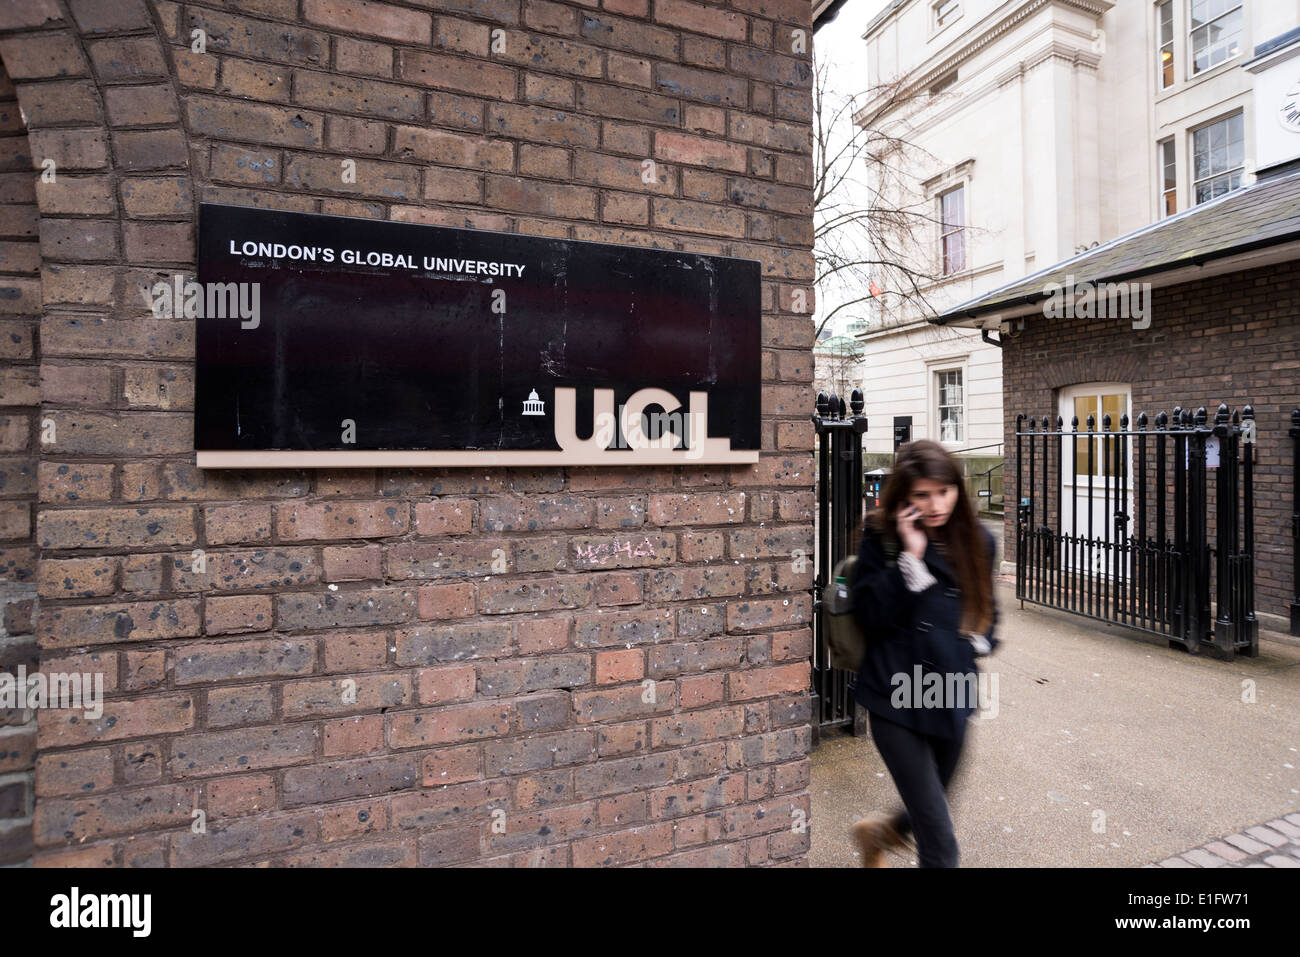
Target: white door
<point>1077,503</point>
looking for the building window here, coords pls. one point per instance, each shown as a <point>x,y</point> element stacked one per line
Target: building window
<point>1098,405</point>
<point>1168,179</point>
<point>952,232</point>
<point>1165,20</point>
<point>945,12</point>
<point>1216,32</point>
<point>951,406</point>
<point>1218,155</point>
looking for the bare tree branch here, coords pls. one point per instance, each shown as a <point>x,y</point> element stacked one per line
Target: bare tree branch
<point>874,226</point>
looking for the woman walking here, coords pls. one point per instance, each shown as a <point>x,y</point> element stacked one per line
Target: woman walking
<point>923,594</point>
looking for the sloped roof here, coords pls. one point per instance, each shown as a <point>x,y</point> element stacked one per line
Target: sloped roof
<point>1266,213</point>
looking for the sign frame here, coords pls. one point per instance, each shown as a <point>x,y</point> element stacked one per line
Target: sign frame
<point>616,411</point>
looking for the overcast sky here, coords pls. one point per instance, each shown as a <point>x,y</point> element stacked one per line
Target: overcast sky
<point>842,37</point>
<point>840,44</point>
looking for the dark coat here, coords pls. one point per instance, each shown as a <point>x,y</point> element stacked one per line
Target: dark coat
<point>905,629</point>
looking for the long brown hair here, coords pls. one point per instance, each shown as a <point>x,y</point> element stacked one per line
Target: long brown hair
<point>961,534</point>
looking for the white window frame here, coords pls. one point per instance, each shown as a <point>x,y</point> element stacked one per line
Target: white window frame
<point>934,368</point>
<point>965,219</point>
<point>1192,71</point>
<point>953,15</point>
<point>1171,44</point>
<point>1162,191</point>
<point>1191,156</point>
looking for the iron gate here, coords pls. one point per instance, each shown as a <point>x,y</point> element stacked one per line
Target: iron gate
<point>1163,549</point>
<point>839,512</point>
<point>1295,522</point>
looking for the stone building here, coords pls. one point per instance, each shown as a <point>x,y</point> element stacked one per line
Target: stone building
<point>1219,292</point>
<point>1041,129</point>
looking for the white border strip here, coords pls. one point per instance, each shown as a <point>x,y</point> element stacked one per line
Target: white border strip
<point>476,458</point>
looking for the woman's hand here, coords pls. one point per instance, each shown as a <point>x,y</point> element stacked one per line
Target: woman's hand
<point>910,533</point>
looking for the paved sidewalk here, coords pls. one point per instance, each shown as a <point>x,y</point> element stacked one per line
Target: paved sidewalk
<point>1109,749</point>
<point>1274,844</point>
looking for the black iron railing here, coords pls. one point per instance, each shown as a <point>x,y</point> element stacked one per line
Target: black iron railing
<point>1116,559</point>
<point>1295,522</point>
<point>839,513</point>
<point>986,492</point>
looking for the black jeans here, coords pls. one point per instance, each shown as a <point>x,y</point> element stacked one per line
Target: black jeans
<point>921,766</point>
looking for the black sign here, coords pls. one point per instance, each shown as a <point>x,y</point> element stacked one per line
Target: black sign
<point>332,341</point>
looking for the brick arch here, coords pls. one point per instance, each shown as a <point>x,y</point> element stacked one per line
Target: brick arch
<point>1093,367</point>
<point>97,92</point>
<point>20,309</point>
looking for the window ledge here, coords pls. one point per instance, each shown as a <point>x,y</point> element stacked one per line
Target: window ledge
<point>1224,67</point>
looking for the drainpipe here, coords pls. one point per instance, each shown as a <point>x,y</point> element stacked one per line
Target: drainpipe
<point>984,334</point>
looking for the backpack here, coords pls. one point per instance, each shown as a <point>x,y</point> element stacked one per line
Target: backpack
<point>846,643</point>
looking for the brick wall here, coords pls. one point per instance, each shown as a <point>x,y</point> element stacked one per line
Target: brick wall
<point>1234,339</point>
<point>560,712</point>
<point>20,307</point>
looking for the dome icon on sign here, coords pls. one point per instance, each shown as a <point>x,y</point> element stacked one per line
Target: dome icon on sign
<point>533,405</point>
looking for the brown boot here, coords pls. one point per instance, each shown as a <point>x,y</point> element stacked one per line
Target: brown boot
<point>875,835</point>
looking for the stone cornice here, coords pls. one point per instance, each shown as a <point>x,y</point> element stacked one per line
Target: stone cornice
<point>925,79</point>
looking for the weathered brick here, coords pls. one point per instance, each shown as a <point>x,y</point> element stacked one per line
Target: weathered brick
<point>242,659</point>
<point>127,621</point>
<point>300,699</point>
<point>252,749</point>
<point>677,584</point>
<point>112,814</point>
<point>445,517</point>
<point>81,482</point>
<point>264,569</point>
<point>374,606</point>
<point>355,735</point>
<point>351,652</point>
<point>457,73</point>
<point>242,523</point>
<point>450,725</point>
<point>512,596</point>
<point>74,772</point>
<point>433,645</point>
<point>453,149</point>
<point>622,628</point>
<point>353,564</point>
<point>767,682</point>
<point>122,718</point>
<point>522,675</point>
<point>623,550</point>
<point>774,612</point>
<point>667,660</point>
<point>77,577</point>
<point>252,836</point>
<point>371,19</point>
<point>326,91</point>
<point>260,39</point>
<point>446,601</point>
<point>251,122</point>
<point>230,797</point>
<point>236,614</point>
